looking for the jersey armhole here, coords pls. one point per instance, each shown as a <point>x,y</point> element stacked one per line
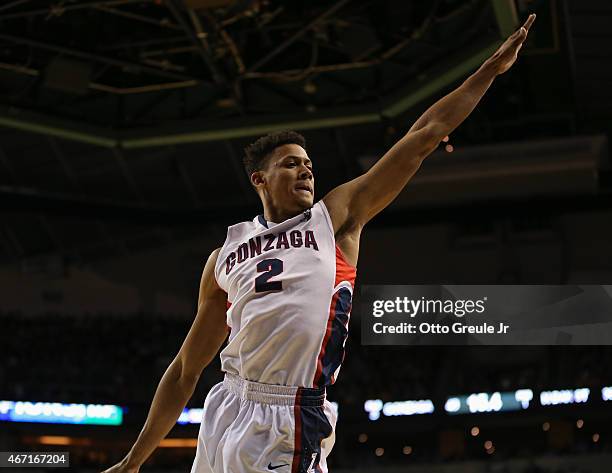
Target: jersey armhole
<point>339,253</point>
<point>327,219</point>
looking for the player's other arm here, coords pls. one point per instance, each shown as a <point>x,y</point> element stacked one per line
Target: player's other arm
<point>176,387</point>
<point>353,204</point>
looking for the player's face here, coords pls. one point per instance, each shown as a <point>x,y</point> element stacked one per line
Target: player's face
<point>288,178</point>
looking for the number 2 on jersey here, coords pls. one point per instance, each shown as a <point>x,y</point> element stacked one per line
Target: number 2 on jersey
<point>269,267</point>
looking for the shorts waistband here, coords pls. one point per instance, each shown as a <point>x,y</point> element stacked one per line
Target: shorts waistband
<point>273,393</point>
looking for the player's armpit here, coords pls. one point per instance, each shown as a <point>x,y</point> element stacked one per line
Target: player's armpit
<point>209,329</point>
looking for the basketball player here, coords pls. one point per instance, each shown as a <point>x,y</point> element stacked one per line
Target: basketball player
<point>282,285</point>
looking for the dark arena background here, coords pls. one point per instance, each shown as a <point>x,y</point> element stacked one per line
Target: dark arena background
<point>122,128</point>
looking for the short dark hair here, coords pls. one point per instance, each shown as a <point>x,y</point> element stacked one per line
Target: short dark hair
<point>257,152</point>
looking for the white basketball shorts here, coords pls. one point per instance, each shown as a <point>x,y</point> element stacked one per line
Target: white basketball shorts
<point>250,427</point>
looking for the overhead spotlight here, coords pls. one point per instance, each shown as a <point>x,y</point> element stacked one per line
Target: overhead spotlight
<point>310,88</point>
<point>226,102</point>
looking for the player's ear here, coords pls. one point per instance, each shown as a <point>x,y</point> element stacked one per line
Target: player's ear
<point>257,178</point>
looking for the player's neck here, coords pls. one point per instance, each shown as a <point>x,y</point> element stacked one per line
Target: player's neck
<point>275,215</point>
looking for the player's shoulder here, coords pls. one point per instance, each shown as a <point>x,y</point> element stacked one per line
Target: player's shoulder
<point>241,227</point>
<point>211,261</point>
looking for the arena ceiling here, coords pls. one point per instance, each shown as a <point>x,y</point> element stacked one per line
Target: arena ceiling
<point>122,122</point>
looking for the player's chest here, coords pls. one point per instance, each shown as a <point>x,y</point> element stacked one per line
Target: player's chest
<point>272,261</point>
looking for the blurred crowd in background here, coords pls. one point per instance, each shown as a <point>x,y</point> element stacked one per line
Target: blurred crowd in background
<point>119,358</point>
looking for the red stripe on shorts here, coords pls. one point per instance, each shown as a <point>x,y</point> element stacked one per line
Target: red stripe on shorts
<point>297,445</point>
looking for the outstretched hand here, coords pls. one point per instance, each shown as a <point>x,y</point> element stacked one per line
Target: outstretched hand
<point>506,55</point>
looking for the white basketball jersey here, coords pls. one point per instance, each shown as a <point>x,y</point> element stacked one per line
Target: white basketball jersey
<point>289,299</point>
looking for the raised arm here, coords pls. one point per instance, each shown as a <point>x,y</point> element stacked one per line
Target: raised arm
<point>353,204</point>
<point>176,387</point>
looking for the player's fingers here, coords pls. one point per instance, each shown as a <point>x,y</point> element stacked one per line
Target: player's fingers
<point>517,38</point>
<point>529,21</point>
<point>519,35</point>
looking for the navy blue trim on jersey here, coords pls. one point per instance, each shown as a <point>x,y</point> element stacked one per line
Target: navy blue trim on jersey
<point>315,427</point>
<point>307,214</point>
<point>334,351</point>
<point>262,220</point>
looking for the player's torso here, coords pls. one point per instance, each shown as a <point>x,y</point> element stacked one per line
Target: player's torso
<point>290,300</point>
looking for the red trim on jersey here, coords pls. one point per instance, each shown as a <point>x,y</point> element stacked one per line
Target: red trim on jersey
<point>328,330</point>
<point>297,445</point>
<point>228,304</point>
<point>344,272</point>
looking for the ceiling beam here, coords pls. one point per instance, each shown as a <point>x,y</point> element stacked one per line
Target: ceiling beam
<point>392,107</point>
<point>505,13</point>
<point>61,9</point>
<point>207,59</point>
<point>297,35</point>
<point>163,23</point>
<point>112,61</point>
<point>12,117</point>
<point>429,86</point>
<point>254,129</point>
